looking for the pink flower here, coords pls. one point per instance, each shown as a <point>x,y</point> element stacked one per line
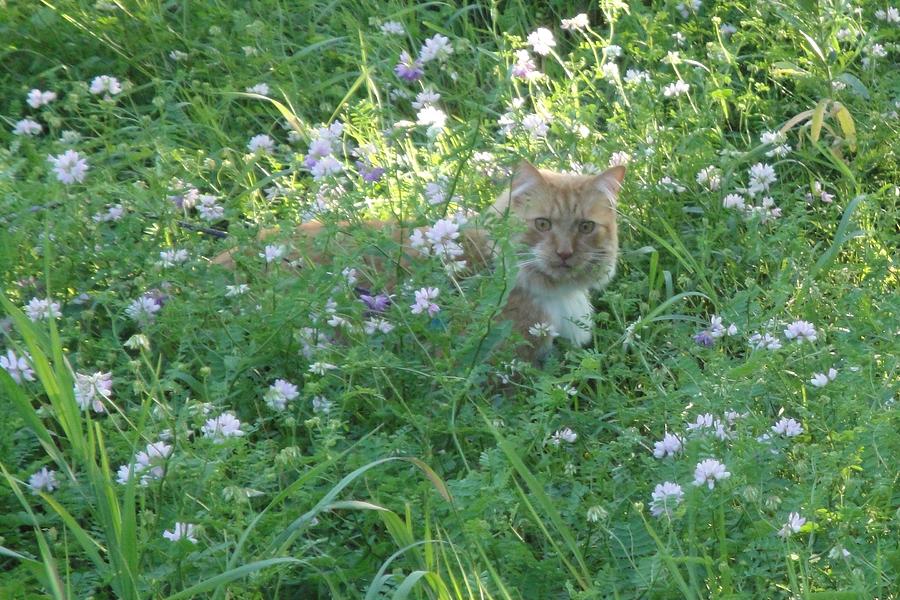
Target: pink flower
<point>424,302</point>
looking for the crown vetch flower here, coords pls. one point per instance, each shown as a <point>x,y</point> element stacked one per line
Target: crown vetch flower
<point>708,472</point>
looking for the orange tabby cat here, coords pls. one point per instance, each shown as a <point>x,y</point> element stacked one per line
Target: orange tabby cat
<point>572,242</point>
<point>568,239</point>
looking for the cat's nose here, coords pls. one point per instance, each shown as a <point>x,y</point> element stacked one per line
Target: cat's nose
<point>564,255</point>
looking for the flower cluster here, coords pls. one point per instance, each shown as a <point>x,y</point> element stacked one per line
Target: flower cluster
<point>92,390</point>
<point>148,465</point>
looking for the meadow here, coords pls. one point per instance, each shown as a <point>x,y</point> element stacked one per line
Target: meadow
<point>292,429</point>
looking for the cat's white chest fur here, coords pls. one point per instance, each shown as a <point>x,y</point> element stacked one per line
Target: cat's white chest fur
<point>570,313</point>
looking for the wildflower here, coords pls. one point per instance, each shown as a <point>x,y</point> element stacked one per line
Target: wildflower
<point>437,47</point>
<point>434,193</point>
<point>171,258</point>
<point>38,309</point>
<point>321,368</point>
<point>524,67</point>
<point>708,472</point>
<point>222,427</point>
<point>838,552</point>
<point>535,125</point>
<point>710,177</point>
<point>541,330</point>
<point>425,98</point>
<point>177,55</point>
<point>685,9</point>
<point>801,331</point>
<point>708,422</point>
<point>613,51</point>
<point>272,252</point>
<point>541,40</point>
<point>377,324</point>
<point>43,481</point>
<point>665,497</point>
<point>787,428</point>
<point>668,446</point>
<point>408,69</point>
<point>727,29</point>
<point>104,84</point>
<point>704,338</point>
<point>149,464</point>
<point>424,297</point>
<point>679,38</point>
<point>392,28</point>
<point>610,71</point>
<point>138,341</point>
<point>376,304</point>
<point>37,98</point>
<point>261,143</point>
<point>793,525</point>
<point>596,514</point>
<point>144,309</point>
<point>670,185</point>
<point>27,127</point>
<point>676,89</point>
<point>321,404</point>
<point>181,531</point>
<point>113,212</point>
<point>761,177</point>
<point>563,435</point>
<point>236,290</point>
<point>576,23</point>
<point>70,167</point>
<point>92,390</point>
<point>279,393</point>
<point>325,167</point>
<point>260,88</point>
<point>891,15</point>
<point>764,341</point>
<point>636,76</point>
<point>819,191</point>
<point>17,366</point>
<point>432,117</point>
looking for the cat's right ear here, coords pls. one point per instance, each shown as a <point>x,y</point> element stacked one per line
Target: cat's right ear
<point>525,179</point>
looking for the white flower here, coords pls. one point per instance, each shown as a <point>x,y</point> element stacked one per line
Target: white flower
<point>801,331</point>
<point>43,481</point>
<point>261,143</point>
<point>619,159</point>
<point>838,552</point>
<point>222,427</point>
<point>17,367</point>
<point>37,98</point>
<point>541,40</point>
<point>614,51</point>
<point>138,341</point>
<point>433,118</point>
<point>92,390</point>
<point>676,89</point>
<point>143,310</point>
<point>70,167</point>
<point>610,71</point>
<point>710,471</point>
<point>171,258</point>
<point>328,165</point>
<point>668,446</point>
<point>272,252</point>
<point>320,368</point>
<point>541,330</point>
<point>596,514</point>
<point>27,127</point>
<point>761,177</point>
<point>181,531</point>
<point>260,88</point>
<point>671,185</point>
<point>149,464</point>
<point>576,23</point>
<point>759,341</point>
<point>665,497</point>
<point>177,55</point>
<point>636,76</point>
<point>787,428</point>
<point>236,290</point>
<point>425,98</point>
<point>706,422</point>
<point>113,212</point>
<point>321,404</point>
<point>280,393</point>
<point>535,125</point>
<point>793,525</point>
<point>377,324</point>
<point>392,28</point>
<point>563,435</point>
<point>38,309</point>
<point>423,303</point>
<point>437,47</point>
<point>710,177</point>
<point>733,201</point>
<point>891,15</point>
<point>727,29</point>
<point>104,84</point>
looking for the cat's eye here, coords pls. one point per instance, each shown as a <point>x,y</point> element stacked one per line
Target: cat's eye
<point>542,224</point>
<point>586,227</point>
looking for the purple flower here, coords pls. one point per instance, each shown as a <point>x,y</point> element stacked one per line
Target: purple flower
<point>377,304</point>
<point>705,338</point>
<point>408,69</point>
<point>369,173</point>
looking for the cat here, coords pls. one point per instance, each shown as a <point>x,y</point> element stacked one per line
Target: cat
<point>566,237</point>
<point>570,240</point>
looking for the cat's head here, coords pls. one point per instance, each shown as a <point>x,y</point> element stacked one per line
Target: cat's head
<point>570,238</point>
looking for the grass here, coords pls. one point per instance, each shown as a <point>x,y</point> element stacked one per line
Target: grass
<point>428,462</point>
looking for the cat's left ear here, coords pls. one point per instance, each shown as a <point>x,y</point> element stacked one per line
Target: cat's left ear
<point>609,182</point>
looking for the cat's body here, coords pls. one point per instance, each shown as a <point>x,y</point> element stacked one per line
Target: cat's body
<point>567,245</point>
